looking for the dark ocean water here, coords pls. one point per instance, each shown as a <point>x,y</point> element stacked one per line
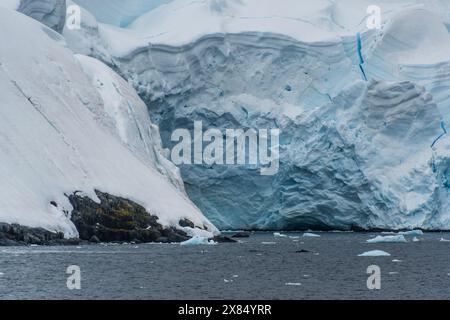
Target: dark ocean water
<point>260,267</point>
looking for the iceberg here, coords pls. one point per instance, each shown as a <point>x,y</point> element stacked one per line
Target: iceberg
<point>279,235</point>
<point>197,241</point>
<point>374,253</point>
<point>311,235</point>
<point>387,239</point>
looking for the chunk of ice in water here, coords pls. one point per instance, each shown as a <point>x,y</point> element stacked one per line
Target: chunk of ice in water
<point>279,235</point>
<point>374,253</point>
<point>198,240</point>
<point>311,235</point>
<point>384,239</point>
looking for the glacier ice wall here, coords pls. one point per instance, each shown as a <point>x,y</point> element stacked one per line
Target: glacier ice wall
<point>362,112</point>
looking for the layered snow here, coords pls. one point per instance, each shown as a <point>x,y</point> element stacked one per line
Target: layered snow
<point>63,130</point>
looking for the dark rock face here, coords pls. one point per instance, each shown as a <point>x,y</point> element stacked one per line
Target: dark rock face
<point>16,235</point>
<point>117,219</point>
<point>52,13</point>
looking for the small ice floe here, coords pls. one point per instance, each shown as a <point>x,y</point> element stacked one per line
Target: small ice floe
<point>316,254</point>
<point>415,239</point>
<point>279,235</point>
<point>268,242</point>
<point>1,274</point>
<point>311,235</point>
<point>294,237</point>
<point>444,240</point>
<point>306,276</point>
<point>396,260</point>
<point>374,253</point>
<point>235,276</point>
<point>293,284</point>
<point>227,281</point>
<point>390,239</point>
<point>412,233</point>
<point>392,273</point>
<point>198,240</point>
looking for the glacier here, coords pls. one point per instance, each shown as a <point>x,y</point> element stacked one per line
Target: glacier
<point>363,113</point>
<point>69,124</point>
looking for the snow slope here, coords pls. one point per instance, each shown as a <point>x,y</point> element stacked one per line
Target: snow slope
<point>60,134</point>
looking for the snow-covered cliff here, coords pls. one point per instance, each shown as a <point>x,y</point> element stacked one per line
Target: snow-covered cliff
<point>70,124</point>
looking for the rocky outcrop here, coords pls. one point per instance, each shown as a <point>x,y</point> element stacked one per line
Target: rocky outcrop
<point>52,13</point>
<point>17,235</point>
<point>116,219</point>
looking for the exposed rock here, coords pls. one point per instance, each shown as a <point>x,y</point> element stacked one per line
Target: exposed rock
<point>16,235</point>
<point>187,223</point>
<point>117,219</point>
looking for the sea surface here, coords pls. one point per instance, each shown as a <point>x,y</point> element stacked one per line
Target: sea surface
<point>260,267</point>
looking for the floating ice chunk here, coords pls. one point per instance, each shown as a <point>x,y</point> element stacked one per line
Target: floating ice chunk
<point>279,235</point>
<point>415,239</point>
<point>198,240</point>
<point>294,237</point>
<point>375,253</point>
<point>392,273</point>
<point>227,281</point>
<point>444,240</point>
<point>396,260</point>
<point>293,284</point>
<point>412,233</point>
<point>384,239</point>
<point>311,235</point>
<point>268,242</point>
